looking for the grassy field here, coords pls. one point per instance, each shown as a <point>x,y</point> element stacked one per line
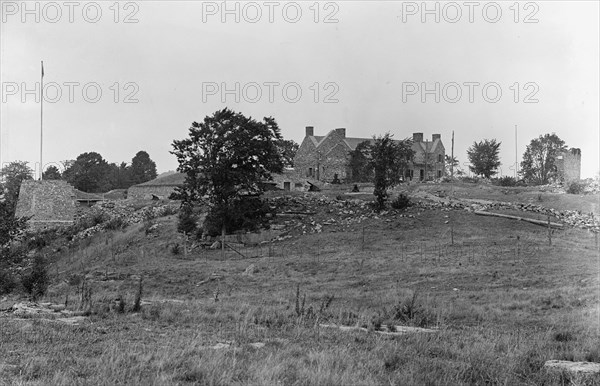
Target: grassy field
<point>503,301</point>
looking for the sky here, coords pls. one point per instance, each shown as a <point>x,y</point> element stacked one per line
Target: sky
<point>129,76</point>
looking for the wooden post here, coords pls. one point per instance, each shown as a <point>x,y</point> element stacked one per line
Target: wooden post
<point>363,239</point>
<point>185,245</point>
<point>223,241</point>
<point>549,232</point>
<point>517,249</point>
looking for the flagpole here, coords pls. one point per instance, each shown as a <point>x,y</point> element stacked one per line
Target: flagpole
<point>42,122</point>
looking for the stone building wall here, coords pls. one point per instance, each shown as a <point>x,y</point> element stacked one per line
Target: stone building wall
<point>48,204</point>
<point>568,165</point>
<point>305,159</point>
<point>147,191</point>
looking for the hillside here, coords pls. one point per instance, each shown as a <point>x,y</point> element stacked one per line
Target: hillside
<point>499,298</point>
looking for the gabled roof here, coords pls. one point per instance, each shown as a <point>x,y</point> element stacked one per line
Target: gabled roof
<point>429,146</point>
<point>354,142</point>
<point>172,179</point>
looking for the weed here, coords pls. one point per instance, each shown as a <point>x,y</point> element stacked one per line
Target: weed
<point>576,187</point>
<point>137,305</point>
<point>411,311</point>
<point>115,224</point>
<point>120,304</point>
<point>36,282</point>
<point>401,202</point>
<point>506,181</point>
<point>176,249</point>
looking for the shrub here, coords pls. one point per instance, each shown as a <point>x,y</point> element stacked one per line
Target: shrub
<point>470,180</point>
<point>575,187</point>
<point>187,221</point>
<point>7,281</point>
<point>506,181</point>
<point>36,282</point>
<point>115,223</point>
<point>176,249</point>
<point>246,213</point>
<point>411,311</point>
<point>401,202</point>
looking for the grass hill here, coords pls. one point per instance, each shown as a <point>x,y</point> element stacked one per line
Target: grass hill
<point>500,298</point>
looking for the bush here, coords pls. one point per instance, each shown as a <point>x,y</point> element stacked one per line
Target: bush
<point>36,282</point>
<point>7,281</point>
<point>506,181</point>
<point>187,221</point>
<point>575,187</point>
<point>246,213</point>
<point>401,202</point>
<point>115,223</point>
<point>176,249</point>
<point>470,180</point>
<point>411,311</point>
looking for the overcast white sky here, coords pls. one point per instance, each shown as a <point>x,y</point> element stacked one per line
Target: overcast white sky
<point>171,59</point>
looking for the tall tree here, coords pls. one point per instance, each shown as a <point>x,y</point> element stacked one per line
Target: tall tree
<point>359,164</point>
<point>484,157</point>
<point>389,159</point>
<point>51,173</point>
<point>142,168</point>
<point>89,173</point>
<point>11,177</point>
<point>225,158</point>
<point>538,160</point>
<point>288,149</point>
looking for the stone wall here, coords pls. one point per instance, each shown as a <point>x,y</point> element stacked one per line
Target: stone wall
<point>147,191</point>
<point>48,203</point>
<point>568,165</point>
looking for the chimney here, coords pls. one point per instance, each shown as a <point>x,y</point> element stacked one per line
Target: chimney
<point>436,136</point>
<point>417,137</point>
<point>310,131</point>
<point>341,131</point>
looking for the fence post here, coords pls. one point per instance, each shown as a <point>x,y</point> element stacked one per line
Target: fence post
<point>549,232</point>
<point>363,239</point>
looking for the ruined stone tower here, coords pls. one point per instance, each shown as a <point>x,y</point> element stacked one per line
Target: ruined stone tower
<point>568,165</point>
<point>47,204</point>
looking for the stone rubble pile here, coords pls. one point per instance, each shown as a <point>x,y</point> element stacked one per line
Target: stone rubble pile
<point>569,217</point>
<point>122,211</point>
<point>311,212</point>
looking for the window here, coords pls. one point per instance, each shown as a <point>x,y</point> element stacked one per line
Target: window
<point>439,174</point>
<point>310,172</point>
<point>440,158</point>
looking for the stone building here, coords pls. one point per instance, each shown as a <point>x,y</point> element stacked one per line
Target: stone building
<point>568,165</point>
<point>160,187</point>
<point>47,204</point>
<point>326,158</point>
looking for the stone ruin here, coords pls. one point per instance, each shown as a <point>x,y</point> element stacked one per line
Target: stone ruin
<point>47,204</point>
<point>568,165</point>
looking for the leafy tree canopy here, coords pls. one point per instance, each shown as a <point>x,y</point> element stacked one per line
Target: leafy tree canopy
<point>388,159</point>
<point>89,173</point>
<point>225,159</point>
<point>11,177</point>
<point>484,157</point>
<point>538,160</point>
<point>142,168</point>
<point>288,149</point>
<point>51,173</point>
<point>359,162</point>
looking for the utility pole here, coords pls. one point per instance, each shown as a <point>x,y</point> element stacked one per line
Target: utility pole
<point>41,121</point>
<point>452,159</point>
<point>516,159</point>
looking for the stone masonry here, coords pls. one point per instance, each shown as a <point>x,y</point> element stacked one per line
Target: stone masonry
<point>568,165</point>
<point>47,204</point>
